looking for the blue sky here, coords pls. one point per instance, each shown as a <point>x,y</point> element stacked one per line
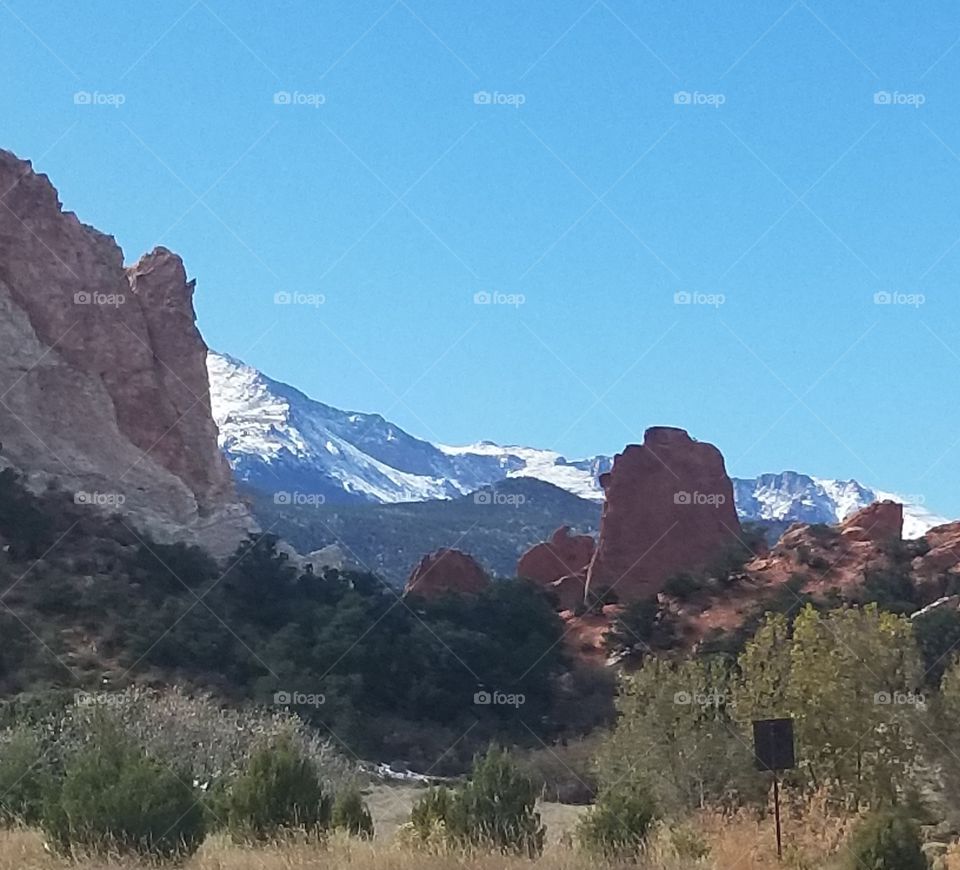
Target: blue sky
<point>815,164</point>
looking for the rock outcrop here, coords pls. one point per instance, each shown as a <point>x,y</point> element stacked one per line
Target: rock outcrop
<point>879,522</point>
<point>550,560</point>
<point>445,572</point>
<point>560,566</point>
<point>103,381</point>
<point>668,508</point>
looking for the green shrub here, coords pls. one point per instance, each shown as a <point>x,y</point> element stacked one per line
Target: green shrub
<point>115,798</point>
<point>24,778</point>
<point>683,586</point>
<point>887,841</point>
<point>495,809</point>
<point>280,789</point>
<point>431,812</point>
<point>619,822</point>
<point>350,814</point>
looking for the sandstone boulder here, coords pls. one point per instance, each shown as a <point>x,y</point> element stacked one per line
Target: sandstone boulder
<point>878,522</point>
<point>668,508</point>
<point>446,571</point>
<point>564,554</point>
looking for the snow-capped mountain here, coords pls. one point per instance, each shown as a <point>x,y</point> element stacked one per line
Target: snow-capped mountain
<point>800,498</point>
<point>278,439</point>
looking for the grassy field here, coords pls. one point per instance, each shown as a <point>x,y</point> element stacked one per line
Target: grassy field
<point>814,842</point>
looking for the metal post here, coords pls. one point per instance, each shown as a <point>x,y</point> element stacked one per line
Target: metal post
<point>776,810</point>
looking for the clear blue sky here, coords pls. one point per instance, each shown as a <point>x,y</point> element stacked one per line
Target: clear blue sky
<point>797,198</point>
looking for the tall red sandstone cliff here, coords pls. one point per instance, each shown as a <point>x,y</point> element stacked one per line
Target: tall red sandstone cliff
<point>668,508</point>
<point>103,382</point>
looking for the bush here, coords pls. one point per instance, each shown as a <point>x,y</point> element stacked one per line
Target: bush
<point>115,798</point>
<point>497,807</point>
<point>618,824</point>
<point>683,586</point>
<point>887,841</point>
<point>430,813</point>
<point>23,778</point>
<point>279,790</point>
<point>350,814</point>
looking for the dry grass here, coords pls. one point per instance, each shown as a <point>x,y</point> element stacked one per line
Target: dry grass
<point>735,844</point>
<point>813,838</point>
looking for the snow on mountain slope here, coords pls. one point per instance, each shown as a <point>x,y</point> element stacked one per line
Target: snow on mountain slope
<point>280,440</point>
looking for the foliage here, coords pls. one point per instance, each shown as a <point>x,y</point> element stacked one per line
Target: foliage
<point>279,790</point>
<point>396,679</point>
<point>115,798</point>
<point>887,841</point>
<point>495,808</point>
<point>351,814</point>
<point>890,589</point>
<point>24,778</point>
<point>640,628</point>
<point>618,824</point>
<point>676,734</point>
<point>849,680</point>
<point>683,586</point>
<point>29,529</point>
<point>937,634</point>
<point>431,812</point>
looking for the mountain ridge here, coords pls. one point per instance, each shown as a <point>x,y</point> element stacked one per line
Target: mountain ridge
<point>278,439</point>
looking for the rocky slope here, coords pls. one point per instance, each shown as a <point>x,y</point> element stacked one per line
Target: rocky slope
<point>103,384</point>
<point>278,439</point>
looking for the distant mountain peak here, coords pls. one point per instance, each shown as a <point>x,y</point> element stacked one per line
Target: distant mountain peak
<point>277,438</point>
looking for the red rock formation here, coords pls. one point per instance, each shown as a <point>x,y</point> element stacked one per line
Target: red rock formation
<point>103,375</point>
<point>943,557</point>
<point>668,508</point>
<point>446,571</point>
<point>879,522</point>
<point>563,554</point>
<point>569,591</point>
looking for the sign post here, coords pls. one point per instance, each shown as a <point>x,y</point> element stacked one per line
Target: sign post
<point>773,749</point>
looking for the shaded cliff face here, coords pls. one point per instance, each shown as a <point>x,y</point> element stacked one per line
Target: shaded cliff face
<point>103,382</point>
<point>668,508</point>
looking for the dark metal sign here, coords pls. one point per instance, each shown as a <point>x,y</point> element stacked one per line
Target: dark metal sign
<point>773,744</point>
<point>773,750</point>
